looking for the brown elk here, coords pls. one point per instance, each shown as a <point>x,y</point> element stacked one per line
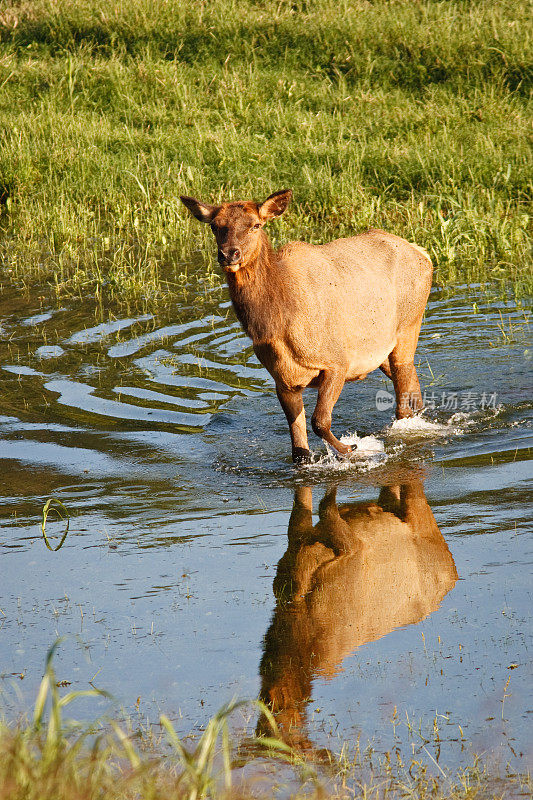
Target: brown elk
<point>363,570</point>
<point>321,315</point>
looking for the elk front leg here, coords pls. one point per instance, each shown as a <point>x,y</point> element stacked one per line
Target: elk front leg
<point>329,389</point>
<point>301,519</point>
<point>293,406</point>
<point>296,566</point>
<point>334,531</point>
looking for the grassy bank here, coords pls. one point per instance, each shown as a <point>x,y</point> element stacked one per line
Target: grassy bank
<point>410,116</point>
<point>31,770</point>
<point>52,758</point>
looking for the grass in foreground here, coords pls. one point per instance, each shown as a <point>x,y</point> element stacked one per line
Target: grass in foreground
<point>61,760</point>
<point>408,116</point>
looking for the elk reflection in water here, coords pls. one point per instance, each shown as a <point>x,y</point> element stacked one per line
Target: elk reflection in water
<point>363,570</point>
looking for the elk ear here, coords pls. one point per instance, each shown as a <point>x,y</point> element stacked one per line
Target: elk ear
<point>202,211</point>
<point>275,204</point>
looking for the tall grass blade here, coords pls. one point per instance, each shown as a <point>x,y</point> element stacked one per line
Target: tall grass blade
<point>129,749</point>
<point>59,508</point>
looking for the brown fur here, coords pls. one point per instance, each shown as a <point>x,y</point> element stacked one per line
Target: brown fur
<point>363,570</point>
<point>321,315</point>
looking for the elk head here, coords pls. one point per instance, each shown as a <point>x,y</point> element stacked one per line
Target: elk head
<point>237,226</point>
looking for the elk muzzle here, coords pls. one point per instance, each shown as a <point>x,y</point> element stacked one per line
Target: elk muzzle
<point>230,258</point>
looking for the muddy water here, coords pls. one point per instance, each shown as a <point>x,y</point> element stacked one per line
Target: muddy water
<point>385,599</point>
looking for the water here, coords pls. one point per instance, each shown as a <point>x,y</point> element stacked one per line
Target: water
<point>405,603</point>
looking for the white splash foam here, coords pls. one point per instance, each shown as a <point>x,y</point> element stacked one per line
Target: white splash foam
<point>365,445</point>
<point>471,417</point>
<point>456,425</point>
<point>462,418</point>
<point>368,452</point>
<point>418,426</point>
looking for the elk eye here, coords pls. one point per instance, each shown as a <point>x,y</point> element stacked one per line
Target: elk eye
<point>256,226</point>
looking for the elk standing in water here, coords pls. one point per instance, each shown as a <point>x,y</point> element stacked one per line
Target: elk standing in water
<point>321,315</point>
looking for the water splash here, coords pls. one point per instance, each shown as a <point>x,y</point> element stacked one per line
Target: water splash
<point>367,453</point>
<point>419,426</point>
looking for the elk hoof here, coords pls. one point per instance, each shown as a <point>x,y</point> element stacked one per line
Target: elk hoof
<point>300,455</point>
<point>344,451</point>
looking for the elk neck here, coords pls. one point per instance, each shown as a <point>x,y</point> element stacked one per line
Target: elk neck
<point>253,290</point>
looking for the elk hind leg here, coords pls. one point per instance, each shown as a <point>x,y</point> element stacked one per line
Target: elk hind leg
<point>403,373</point>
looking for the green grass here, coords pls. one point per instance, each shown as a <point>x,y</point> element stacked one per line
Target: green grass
<point>411,116</point>
<point>54,758</point>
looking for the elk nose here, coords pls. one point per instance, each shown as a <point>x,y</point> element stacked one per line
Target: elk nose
<point>231,256</point>
<point>234,255</point>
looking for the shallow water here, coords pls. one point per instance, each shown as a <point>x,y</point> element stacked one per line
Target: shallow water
<point>406,604</point>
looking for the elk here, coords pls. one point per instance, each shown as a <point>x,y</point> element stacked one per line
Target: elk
<point>321,315</point>
<point>363,570</point>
